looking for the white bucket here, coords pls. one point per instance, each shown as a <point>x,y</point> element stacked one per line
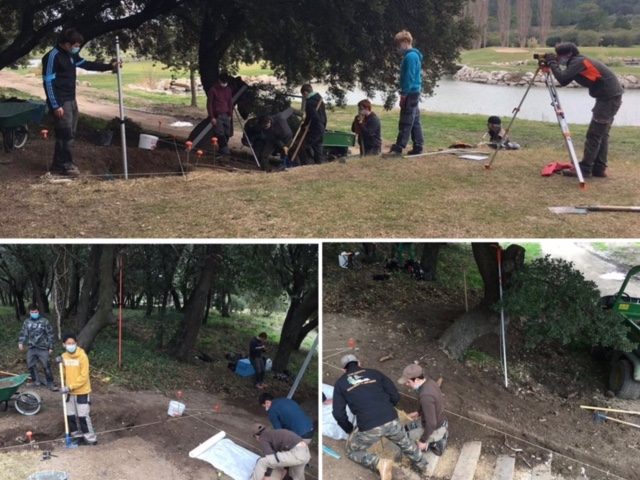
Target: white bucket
<point>147,142</point>
<point>176,409</point>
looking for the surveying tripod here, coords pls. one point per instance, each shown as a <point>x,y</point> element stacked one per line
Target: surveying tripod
<point>555,103</point>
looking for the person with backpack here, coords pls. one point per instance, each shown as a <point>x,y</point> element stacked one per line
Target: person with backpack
<point>568,65</point>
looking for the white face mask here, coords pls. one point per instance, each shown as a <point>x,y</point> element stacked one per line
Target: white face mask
<point>71,348</point>
<point>364,112</point>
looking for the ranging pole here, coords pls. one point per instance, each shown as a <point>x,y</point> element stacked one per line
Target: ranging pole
<point>303,368</point>
<point>120,301</point>
<point>503,341</point>
<point>123,135</point>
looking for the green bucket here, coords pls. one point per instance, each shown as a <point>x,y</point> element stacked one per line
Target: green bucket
<point>49,475</point>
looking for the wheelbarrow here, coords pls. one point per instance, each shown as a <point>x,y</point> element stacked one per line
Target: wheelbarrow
<point>26,402</point>
<point>15,115</point>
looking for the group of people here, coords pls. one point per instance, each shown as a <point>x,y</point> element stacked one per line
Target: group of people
<point>285,445</point>
<point>372,398</point>
<point>271,134</point>
<point>36,336</point>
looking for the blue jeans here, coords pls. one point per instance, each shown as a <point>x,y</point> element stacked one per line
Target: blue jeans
<point>409,124</point>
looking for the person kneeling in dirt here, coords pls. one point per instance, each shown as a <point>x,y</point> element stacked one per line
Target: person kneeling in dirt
<point>285,413</point>
<point>282,449</point>
<point>314,124</point>
<point>37,335</point>
<point>366,126</point>
<point>497,135</point>
<point>59,80</point>
<point>77,389</point>
<point>434,430</point>
<point>605,87</point>
<point>271,134</point>
<point>220,109</point>
<point>372,397</point>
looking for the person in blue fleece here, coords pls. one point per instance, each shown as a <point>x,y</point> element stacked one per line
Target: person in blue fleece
<point>410,89</point>
<point>286,413</point>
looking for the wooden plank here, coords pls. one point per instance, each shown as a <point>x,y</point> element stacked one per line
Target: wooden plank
<point>467,462</point>
<point>505,466</point>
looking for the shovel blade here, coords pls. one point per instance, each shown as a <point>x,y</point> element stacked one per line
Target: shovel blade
<point>568,210</point>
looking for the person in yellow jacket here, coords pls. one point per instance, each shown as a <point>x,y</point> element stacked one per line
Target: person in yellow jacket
<point>77,388</point>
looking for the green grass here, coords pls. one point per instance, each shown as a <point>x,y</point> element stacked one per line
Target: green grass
<point>486,58</point>
<point>147,73</point>
<point>479,359</point>
<point>533,251</point>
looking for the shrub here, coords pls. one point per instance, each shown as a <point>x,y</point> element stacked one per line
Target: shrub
<point>557,304</point>
<point>553,40</point>
<point>588,38</point>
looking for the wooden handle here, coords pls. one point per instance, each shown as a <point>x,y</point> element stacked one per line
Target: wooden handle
<point>64,400</point>
<point>586,407</point>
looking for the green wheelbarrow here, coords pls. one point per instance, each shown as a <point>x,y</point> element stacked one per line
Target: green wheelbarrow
<point>15,115</point>
<point>26,403</point>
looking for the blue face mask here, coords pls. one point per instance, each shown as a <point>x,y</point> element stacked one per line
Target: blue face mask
<point>34,316</point>
<point>71,348</point>
<point>75,50</point>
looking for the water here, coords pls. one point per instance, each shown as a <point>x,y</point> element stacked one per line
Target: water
<point>474,98</point>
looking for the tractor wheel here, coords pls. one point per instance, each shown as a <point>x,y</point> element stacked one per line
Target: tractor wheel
<point>20,136</point>
<point>28,403</point>
<point>621,380</point>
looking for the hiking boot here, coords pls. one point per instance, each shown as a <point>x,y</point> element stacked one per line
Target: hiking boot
<point>394,152</point>
<point>385,469</point>
<point>52,387</point>
<point>599,171</point>
<point>572,173</point>
<point>68,170</point>
<point>415,151</point>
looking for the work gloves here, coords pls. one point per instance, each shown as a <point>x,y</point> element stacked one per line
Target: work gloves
<point>65,390</point>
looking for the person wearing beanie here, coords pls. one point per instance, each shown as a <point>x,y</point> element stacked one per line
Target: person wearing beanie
<point>568,65</point>
<point>372,398</point>
<point>498,136</point>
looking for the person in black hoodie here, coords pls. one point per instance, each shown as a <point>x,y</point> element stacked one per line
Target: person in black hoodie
<point>372,397</point>
<point>315,119</point>
<point>257,346</point>
<point>59,80</point>
<point>367,126</point>
<point>605,87</point>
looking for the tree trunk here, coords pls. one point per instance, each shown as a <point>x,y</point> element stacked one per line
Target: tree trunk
<point>177,304</point>
<point>194,86</point>
<point>187,335</point>
<point>300,309</point>
<point>88,293</point>
<point>483,320</point>
<point>149,307</point>
<point>306,329</point>
<point>104,313</point>
<point>504,21</point>
<point>207,309</point>
<point>545,7</point>
<point>524,21</point>
<point>225,304</point>
<point>429,260</point>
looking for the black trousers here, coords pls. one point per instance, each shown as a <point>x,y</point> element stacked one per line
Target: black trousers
<point>65,129</point>
<point>596,146</point>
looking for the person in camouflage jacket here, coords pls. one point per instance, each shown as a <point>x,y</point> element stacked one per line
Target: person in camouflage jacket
<point>37,337</point>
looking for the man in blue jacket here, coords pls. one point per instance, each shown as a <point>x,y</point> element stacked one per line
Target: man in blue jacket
<point>372,398</point>
<point>410,89</point>
<point>59,79</point>
<point>286,413</point>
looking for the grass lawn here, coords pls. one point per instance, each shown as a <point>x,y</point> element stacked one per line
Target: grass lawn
<point>486,58</point>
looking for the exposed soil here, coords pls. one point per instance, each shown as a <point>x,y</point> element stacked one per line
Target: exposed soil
<point>159,450</point>
<point>541,405</point>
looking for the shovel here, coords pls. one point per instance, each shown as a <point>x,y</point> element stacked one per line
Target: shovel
<point>581,210</point>
<point>68,443</point>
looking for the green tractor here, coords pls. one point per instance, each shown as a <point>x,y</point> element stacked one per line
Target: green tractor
<point>624,375</point>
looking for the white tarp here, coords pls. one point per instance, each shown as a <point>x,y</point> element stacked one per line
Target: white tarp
<point>226,456</point>
<point>330,427</point>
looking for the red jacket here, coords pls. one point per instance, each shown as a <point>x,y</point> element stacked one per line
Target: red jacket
<point>219,100</point>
